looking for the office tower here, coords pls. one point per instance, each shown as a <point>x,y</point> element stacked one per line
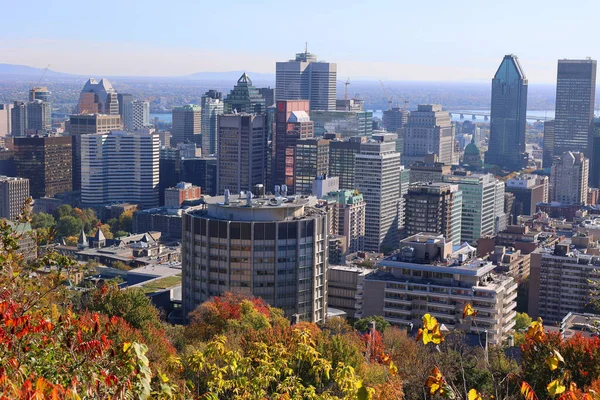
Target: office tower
<point>483,205</point>
<point>244,98</point>
<point>379,182</point>
<point>85,124</point>
<point>212,106</point>
<point>169,166</point>
<point>5,119</point>
<point>311,160</point>
<point>123,98</point>
<point>428,130</point>
<point>508,116</point>
<point>47,162</point>
<point>120,167</point>
<point>404,184</point>
<point>395,118</point>
<point>341,159</point>
<point>241,152</point>
<point>528,191</point>
<point>350,210</point>
<point>250,235</point>
<point>291,123</point>
<point>136,115</point>
<point>187,124</point>
<point>436,208</point>
<point>452,278</point>
<point>569,178</point>
<point>305,78</point>
<point>595,158</point>
<point>201,171</point>
<point>575,99</point>
<point>429,170</point>
<point>18,118</point>
<point>98,98</point>
<point>269,95</point>
<point>13,194</point>
<point>324,184</point>
<point>40,93</point>
<point>562,278</point>
<point>548,156</point>
<point>345,123</point>
<point>183,191</point>
<point>39,116</point>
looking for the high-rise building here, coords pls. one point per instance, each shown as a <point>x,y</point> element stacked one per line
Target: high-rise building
<point>40,93</point>
<point>379,182</point>
<point>548,155</point>
<point>212,106</point>
<point>18,118</point>
<point>428,130</point>
<point>120,167</point>
<point>5,119</point>
<point>187,124</point>
<point>350,209</point>
<point>451,279</point>
<point>13,194</point>
<point>508,116</point>
<point>429,170</point>
<point>237,247</point>
<point>244,98</point>
<point>482,205</point>
<point>269,95</point>
<point>291,123</point>
<point>345,123</point>
<point>305,78</point>
<point>528,191</point>
<point>341,159</point>
<point>395,118</point>
<point>311,160</point>
<point>123,98</point>
<point>436,208</point>
<point>241,152</point>
<point>569,178</point>
<point>98,98</point>
<point>575,99</point>
<point>39,116</point>
<point>404,184</point>
<point>563,278</point>
<point>47,162</point>
<point>136,115</point>
<point>201,171</point>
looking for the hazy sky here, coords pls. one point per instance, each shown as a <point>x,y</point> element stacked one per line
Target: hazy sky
<point>390,40</point>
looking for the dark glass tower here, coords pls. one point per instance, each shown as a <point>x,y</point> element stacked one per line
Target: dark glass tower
<point>244,98</point>
<point>508,116</point>
<point>575,97</point>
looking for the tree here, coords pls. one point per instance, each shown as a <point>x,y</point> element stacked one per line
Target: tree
<point>120,234</point>
<point>62,211</point>
<point>362,325</point>
<point>126,221</point>
<point>71,240</point>
<point>105,228</point>
<point>42,220</point>
<point>120,265</point>
<point>522,321</point>
<point>68,226</point>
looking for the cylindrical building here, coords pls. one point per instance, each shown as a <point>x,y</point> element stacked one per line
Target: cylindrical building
<point>272,247</point>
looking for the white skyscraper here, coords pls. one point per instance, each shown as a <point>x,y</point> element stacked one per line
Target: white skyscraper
<point>379,182</point>
<point>429,130</point>
<point>120,167</point>
<point>305,78</point>
<point>569,178</point>
<point>212,106</point>
<point>136,115</point>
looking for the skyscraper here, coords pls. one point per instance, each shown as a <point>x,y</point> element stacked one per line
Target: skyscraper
<point>429,130</point>
<point>575,99</point>
<point>123,98</point>
<point>13,194</point>
<point>39,93</point>
<point>548,155</point>
<point>187,124</point>
<point>305,78</point>
<point>244,98</point>
<point>508,116</point>
<point>569,178</point>
<point>18,119</point>
<point>291,123</point>
<point>136,115</point>
<point>98,98</point>
<point>311,160</point>
<point>39,115</point>
<point>5,119</point>
<point>212,106</point>
<point>241,152</point>
<point>341,159</point>
<point>379,182</point>
<point>394,119</point>
<point>120,167</point>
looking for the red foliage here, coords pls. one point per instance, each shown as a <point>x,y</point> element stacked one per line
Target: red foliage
<point>229,303</point>
<point>374,347</point>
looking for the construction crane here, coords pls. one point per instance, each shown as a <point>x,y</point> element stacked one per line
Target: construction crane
<point>390,99</point>
<point>405,104</point>
<point>43,75</point>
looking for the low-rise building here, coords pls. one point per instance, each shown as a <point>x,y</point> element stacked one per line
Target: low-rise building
<point>183,191</point>
<point>342,284</point>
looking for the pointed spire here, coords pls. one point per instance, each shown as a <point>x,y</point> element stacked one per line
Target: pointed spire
<point>82,241</point>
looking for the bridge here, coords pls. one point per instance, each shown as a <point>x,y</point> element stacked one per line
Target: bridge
<point>486,115</point>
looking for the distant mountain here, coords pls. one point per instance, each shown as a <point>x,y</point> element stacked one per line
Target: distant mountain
<point>25,70</point>
<point>232,75</point>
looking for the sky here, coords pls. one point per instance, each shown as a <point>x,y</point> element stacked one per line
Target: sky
<point>435,40</point>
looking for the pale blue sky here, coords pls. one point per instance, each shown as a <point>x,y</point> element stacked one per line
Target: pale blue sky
<point>389,40</point>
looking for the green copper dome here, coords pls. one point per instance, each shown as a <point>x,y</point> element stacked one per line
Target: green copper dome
<point>472,149</point>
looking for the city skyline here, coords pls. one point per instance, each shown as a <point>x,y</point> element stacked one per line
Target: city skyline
<point>448,42</point>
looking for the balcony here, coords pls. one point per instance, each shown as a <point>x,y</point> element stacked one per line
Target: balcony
<point>397,311</point>
<point>398,301</point>
<point>358,296</point>
<point>510,298</point>
<point>393,320</point>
